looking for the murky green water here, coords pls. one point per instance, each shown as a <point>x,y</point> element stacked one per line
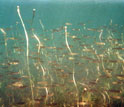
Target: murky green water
<point>74,56</point>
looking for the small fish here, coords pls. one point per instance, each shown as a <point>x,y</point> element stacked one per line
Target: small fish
<point>8,29</point>
<point>68,23</point>
<point>73,37</point>
<point>95,61</point>
<point>56,30</point>
<point>38,99</point>
<point>5,67</point>
<point>24,76</point>
<point>2,30</point>
<point>50,94</point>
<point>83,103</point>
<point>71,81</point>
<point>92,29</point>
<point>52,105</point>
<point>0,75</point>
<point>88,58</point>
<point>19,50</point>
<point>100,55</point>
<point>93,82</point>
<point>20,103</point>
<point>61,70</point>
<point>75,29</point>
<point>73,54</point>
<point>113,61</point>
<point>109,69</point>
<point>82,24</point>
<point>119,48</point>
<point>117,82</point>
<point>120,77</point>
<point>12,38</point>
<point>51,47</point>
<point>105,76</point>
<point>15,78</point>
<point>32,29</point>
<point>45,39</point>
<point>71,58</point>
<point>59,48</point>
<point>93,90</point>
<point>42,83</point>
<point>114,91</point>
<point>35,57</point>
<point>17,84</point>
<point>13,73</point>
<point>13,62</point>
<point>116,97</point>
<point>24,86</point>
<point>100,43</point>
<point>88,50</point>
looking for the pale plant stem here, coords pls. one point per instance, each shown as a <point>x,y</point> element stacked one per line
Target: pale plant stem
<point>75,84</point>
<point>66,40</point>
<point>27,53</point>
<point>42,26</point>
<point>38,40</point>
<point>36,37</point>
<point>5,39</point>
<point>40,44</point>
<point>100,35</point>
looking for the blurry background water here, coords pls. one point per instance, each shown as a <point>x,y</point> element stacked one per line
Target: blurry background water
<point>84,21</point>
<point>55,14</point>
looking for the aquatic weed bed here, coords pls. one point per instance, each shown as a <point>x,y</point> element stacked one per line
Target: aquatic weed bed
<point>65,66</point>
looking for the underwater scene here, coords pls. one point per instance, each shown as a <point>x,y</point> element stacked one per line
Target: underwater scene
<point>61,53</point>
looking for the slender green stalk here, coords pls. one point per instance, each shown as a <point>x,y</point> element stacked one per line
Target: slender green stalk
<point>33,16</point>
<point>100,35</point>
<point>40,44</point>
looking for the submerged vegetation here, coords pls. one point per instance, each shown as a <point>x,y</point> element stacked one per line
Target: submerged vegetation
<point>63,67</point>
